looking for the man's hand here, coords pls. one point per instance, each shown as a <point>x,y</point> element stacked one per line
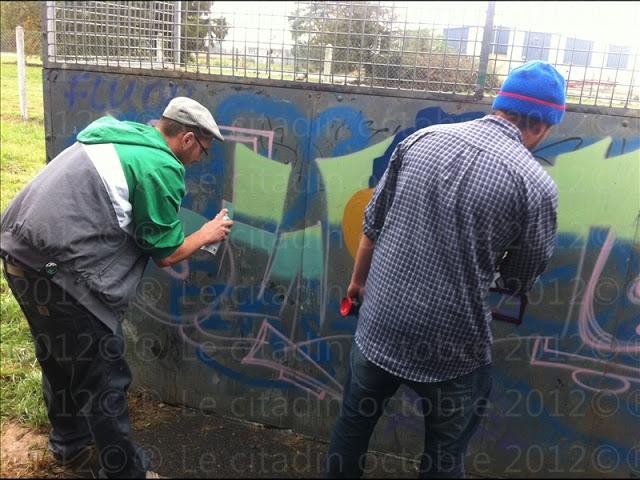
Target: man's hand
<point>213,231</point>
<point>217,229</point>
<point>356,291</point>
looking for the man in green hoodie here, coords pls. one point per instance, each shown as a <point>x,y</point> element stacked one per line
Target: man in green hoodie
<point>75,242</point>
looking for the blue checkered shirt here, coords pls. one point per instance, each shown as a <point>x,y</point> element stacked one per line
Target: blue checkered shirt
<point>456,204</point>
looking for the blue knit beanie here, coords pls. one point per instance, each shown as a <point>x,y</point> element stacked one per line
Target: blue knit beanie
<point>535,89</point>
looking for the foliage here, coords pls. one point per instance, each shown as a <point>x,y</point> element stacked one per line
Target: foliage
<point>432,71</point>
<point>420,41</point>
<point>199,28</point>
<point>363,34</point>
<point>355,31</point>
<point>24,14</point>
<point>219,28</point>
<point>421,60</point>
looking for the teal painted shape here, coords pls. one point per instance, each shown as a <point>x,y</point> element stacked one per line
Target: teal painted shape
<point>299,250</point>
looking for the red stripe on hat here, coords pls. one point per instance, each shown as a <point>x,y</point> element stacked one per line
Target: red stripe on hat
<point>532,100</point>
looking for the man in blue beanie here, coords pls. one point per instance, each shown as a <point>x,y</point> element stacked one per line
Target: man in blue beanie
<point>457,204</point>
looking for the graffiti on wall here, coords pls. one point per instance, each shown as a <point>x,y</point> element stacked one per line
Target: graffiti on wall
<point>263,311</point>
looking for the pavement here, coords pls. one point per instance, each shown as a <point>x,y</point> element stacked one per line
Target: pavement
<point>187,443</point>
<point>194,444</point>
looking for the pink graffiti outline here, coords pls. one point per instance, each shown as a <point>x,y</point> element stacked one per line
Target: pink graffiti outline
<point>541,347</point>
<point>269,134</point>
<point>301,380</point>
<point>252,345</point>
<point>590,331</point>
<point>592,335</point>
<point>633,294</point>
<point>253,141</point>
<point>183,274</point>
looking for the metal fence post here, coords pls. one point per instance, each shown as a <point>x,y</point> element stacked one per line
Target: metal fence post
<point>50,12</point>
<point>177,33</point>
<point>22,79</point>
<point>485,50</point>
<point>328,64</point>
<point>159,48</point>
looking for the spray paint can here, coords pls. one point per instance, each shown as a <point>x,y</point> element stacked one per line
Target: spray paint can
<point>212,248</point>
<point>349,306</point>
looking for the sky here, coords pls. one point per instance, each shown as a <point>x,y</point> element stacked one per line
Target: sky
<point>608,22</point>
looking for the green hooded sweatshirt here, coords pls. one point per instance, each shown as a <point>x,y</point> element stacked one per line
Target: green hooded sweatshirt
<point>98,210</point>
<point>154,181</point>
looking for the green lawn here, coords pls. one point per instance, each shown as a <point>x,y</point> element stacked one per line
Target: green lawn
<point>22,155</point>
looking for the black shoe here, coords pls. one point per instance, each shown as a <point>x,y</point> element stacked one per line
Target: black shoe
<point>79,458</point>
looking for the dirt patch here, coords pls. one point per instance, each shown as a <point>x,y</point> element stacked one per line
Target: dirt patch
<point>293,440</point>
<point>24,453</point>
<point>146,410</point>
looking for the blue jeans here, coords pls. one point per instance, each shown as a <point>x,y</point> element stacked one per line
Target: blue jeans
<point>84,376</point>
<point>452,410</point>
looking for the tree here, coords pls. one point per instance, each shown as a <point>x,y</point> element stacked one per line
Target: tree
<point>421,60</point>
<point>219,28</point>
<point>421,41</point>
<point>196,25</point>
<point>27,16</point>
<point>356,31</point>
<point>23,14</point>
<point>426,63</point>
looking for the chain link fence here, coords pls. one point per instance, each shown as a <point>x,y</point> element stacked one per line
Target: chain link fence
<point>32,43</point>
<point>464,48</point>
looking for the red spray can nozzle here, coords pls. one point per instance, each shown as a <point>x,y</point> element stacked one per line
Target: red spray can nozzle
<point>349,306</point>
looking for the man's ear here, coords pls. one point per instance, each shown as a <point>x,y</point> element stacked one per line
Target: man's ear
<point>186,139</point>
<point>540,131</point>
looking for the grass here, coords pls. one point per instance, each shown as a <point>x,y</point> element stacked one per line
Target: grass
<point>21,157</point>
<point>30,60</point>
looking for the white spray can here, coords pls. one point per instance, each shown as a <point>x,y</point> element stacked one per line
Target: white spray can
<point>212,248</point>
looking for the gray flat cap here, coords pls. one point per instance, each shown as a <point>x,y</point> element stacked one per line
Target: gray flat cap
<point>189,112</point>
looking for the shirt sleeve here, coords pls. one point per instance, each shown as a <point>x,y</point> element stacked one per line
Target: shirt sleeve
<point>527,259</point>
<point>156,202</point>
<point>377,208</point>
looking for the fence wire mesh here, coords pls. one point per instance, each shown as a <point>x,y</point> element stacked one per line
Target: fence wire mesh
<point>32,42</point>
<point>466,48</point>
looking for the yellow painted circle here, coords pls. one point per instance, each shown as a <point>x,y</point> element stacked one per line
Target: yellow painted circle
<point>353,218</point>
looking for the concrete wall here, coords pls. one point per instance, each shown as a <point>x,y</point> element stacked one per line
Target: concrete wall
<point>255,331</point>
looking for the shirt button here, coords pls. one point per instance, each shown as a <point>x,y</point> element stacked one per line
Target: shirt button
<point>50,269</point>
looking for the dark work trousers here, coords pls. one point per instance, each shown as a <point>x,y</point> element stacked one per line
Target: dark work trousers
<point>84,375</point>
<point>452,411</point>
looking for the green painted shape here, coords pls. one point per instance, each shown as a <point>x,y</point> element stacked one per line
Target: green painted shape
<point>259,185</point>
<point>302,248</point>
<point>597,191</point>
<point>313,253</point>
<point>229,206</point>
<point>242,233</point>
<point>256,238</point>
<point>345,175</point>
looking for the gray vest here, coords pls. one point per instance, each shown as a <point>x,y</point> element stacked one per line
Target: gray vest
<point>64,215</point>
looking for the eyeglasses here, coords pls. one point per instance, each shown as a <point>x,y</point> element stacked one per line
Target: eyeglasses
<point>206,153</point>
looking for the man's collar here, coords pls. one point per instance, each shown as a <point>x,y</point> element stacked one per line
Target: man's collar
<point>509,128</point>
